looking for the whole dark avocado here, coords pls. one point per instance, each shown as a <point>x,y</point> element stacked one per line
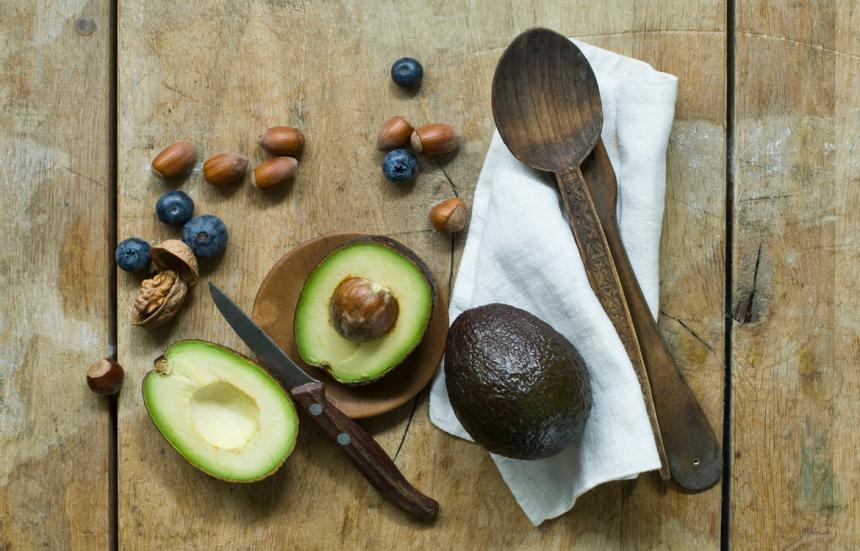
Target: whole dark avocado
<point>517,385</point>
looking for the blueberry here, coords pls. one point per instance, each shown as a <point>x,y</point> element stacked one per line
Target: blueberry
<point>206,235</point>
<point>400,165</point>
<point>132,255</point>
<point>174,208</point>
<point>407,72</point>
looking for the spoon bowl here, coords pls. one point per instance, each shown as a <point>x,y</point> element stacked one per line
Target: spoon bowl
<point>547,107</point>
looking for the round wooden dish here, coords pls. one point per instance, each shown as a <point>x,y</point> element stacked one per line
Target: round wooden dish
<point>275,307</point>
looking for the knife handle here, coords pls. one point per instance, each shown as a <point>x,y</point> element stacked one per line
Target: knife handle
<point>606,283</point>
<point>363,451</point>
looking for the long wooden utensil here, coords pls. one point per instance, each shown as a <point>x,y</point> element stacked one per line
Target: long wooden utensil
<point>694,455</point>
<point>546,105</point>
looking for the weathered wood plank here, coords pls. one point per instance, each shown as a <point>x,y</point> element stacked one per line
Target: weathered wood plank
<point>796,397</point>
<point>219,74</point>
<point>54,272</point>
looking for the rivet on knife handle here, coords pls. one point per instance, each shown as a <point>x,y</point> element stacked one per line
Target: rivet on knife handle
<point>604,279</point>
<point>363,451</point>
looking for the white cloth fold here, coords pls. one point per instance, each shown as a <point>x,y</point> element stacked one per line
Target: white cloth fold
<point>520,251</point>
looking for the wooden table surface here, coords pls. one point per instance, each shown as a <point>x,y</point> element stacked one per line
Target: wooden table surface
<point>759,295</point>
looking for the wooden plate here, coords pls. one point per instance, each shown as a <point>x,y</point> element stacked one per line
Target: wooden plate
<point>275,307</point>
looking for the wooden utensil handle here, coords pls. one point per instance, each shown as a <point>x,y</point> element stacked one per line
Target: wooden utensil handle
<point>603,276</point>
<point>695,459</point>
<point>363,451</point>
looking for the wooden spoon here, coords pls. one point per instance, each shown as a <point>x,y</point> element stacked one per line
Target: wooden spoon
<point>547,108</point>
<point>546,105</point>
<point>694,455</point>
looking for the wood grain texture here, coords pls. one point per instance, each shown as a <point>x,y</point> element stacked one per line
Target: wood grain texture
<point>54,272</point>
<point>796,391</point>
<point>218,74</point>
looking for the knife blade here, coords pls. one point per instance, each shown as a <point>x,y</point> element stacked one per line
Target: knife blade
<point>282,366</point>
<point>358,446</point>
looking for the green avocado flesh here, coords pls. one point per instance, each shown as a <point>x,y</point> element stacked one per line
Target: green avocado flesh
<point>353,362</point>
<point>518,387</point>
<point>221,411</point>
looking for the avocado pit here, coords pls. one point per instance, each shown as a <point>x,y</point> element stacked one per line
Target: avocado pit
<point>362,310</point>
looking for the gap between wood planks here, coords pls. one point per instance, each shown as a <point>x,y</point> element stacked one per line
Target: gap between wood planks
<point>725,511</point>
<point>113,170</point>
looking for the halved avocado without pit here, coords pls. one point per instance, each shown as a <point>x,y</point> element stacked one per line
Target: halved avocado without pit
<point>221,411</point>
<point>363,309</point>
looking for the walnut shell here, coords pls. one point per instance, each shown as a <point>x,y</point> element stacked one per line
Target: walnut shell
<point>158,299</point>
<point>175,255</point>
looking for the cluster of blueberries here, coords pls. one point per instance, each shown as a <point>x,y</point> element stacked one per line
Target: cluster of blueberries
<point>206,235</point>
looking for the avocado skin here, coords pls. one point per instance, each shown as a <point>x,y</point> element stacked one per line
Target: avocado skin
<point>518,386</point>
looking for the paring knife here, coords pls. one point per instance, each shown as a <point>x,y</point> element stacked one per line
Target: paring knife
<point>358,446</point>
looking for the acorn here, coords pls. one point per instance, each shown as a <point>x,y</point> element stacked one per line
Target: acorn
<point>282,140</point>
<point>450,215</point>
<point>224,168</point>
<point>434,139</point>
<point>275,172</point>
<point>105,377</point>
<point>174,160</point>
<point>394,133</point>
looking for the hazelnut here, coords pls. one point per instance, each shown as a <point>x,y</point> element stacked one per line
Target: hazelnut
<point>175,255</point>
<point>394,133</point>
<point>273,173</point>
<point>174,160</point>
<point>450,215</point>
<point>105,377</point>
<point>362,310</point>
<point>224,168</point>
<point>158,299</point>
<point>282,140</point>
<point>434,139</point>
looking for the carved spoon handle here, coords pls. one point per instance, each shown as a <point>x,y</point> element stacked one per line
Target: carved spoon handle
<point>603,276</point>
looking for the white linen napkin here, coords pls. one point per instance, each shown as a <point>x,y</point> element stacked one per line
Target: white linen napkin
<point>520,251</point>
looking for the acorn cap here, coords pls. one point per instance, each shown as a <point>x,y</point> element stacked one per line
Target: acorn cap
<point>175,255</point>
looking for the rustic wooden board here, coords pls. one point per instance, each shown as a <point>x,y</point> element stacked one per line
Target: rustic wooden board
<point>796,398</point>
<point>218,74</point>
<point>54,274</point>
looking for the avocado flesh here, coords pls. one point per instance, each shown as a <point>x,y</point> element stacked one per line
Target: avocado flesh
<point>221,411</point>
<point>353,362</point>
<point>518,387</point>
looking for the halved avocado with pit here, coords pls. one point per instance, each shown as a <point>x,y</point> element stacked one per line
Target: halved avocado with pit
<point>363,309</point>
<point>221,411</point>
